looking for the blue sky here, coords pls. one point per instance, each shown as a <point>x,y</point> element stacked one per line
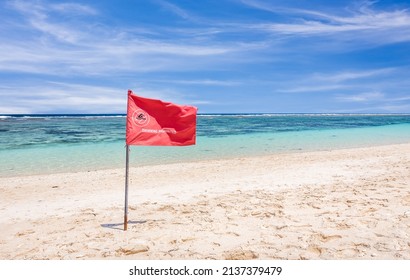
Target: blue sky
<point>223,56</point>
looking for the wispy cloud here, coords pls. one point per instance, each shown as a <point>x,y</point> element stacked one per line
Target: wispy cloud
<point>394,108</point>
<point>82,48</point>
<point>329,24</point>
<point>328,82</point>
<point>175,95</point>
<point>352,75</point>
<point>63,97</point>
<point>372,90</point>
<point>312,88</point>
<point>374,96</point>
<point>45,18</point>
<point>361,97</point>
<point>174,9</point>
<point>360,24</point>
<point>205,82</point>
<point>74,8</point>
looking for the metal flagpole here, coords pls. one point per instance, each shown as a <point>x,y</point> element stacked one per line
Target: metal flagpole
<point>126,188</point>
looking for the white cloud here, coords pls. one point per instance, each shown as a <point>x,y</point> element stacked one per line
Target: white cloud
<point>352,75</point>
<point>362,97</point>
<point>76,47</point>
<point>74,97</point>
<point>174,9</point>
<point>402,98</point>
<point>395,108</point>
<point>346,80</point>
<point>312,88</point>
<point>62,97</point>
<point>202,82</point>
<point>170,94</point>
<point>40,16</point>
<point>361,24</point>
<point>9,110</point>
<point>74,8</point>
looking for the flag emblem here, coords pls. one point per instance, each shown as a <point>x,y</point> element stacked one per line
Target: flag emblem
<point>140,118</point>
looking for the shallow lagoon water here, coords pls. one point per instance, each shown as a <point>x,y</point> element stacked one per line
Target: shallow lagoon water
<point>43,144</point>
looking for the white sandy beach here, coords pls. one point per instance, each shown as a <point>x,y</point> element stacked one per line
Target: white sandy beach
<point>342,204</point>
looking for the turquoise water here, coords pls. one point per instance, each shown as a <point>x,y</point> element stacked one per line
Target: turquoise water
<point>48,144</point>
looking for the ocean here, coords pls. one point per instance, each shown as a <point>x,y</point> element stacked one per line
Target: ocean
<point>41,144</point>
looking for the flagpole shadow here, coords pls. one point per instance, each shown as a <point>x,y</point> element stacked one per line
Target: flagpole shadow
<point>120,226</point>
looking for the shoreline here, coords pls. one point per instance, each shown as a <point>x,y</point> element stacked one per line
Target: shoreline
<point>337,204</point>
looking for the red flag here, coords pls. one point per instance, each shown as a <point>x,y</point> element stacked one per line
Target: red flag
<point>153,122</point>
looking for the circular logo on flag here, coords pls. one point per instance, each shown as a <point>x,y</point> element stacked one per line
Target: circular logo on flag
<point>140,117</point>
